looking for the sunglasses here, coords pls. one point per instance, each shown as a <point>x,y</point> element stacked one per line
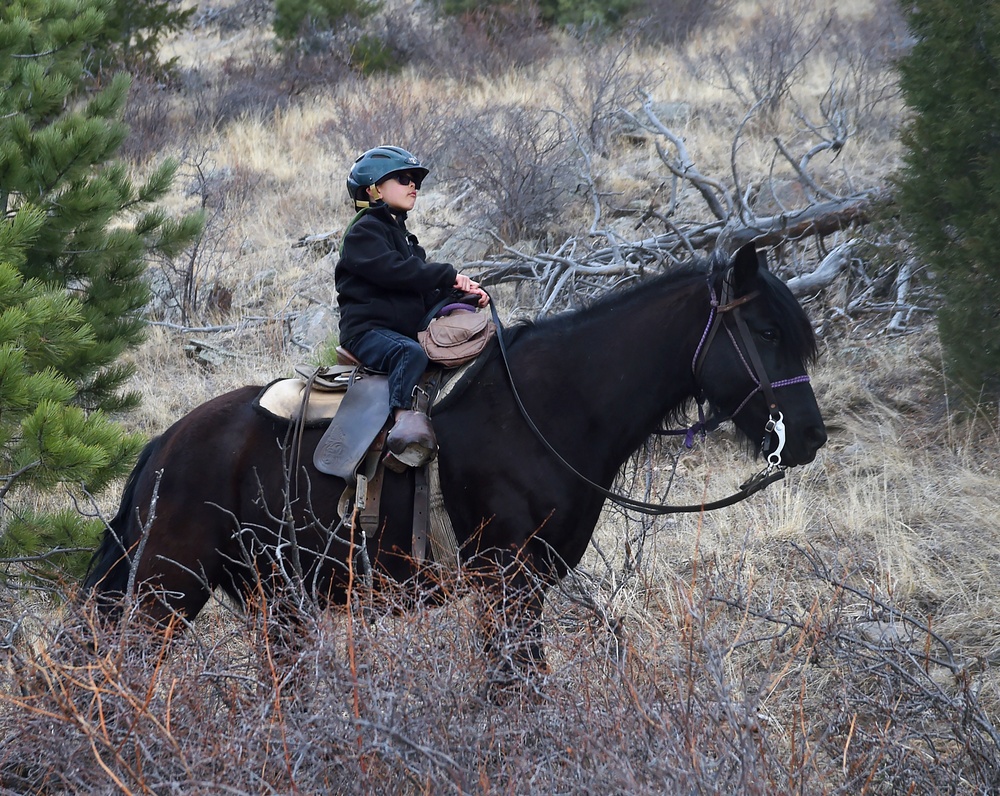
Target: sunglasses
<point>405,178</point>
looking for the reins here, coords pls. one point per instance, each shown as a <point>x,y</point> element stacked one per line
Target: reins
<point>774,471</point>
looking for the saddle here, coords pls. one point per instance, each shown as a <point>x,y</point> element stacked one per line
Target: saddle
<point>351,402</point>
<point>363,413</point>
<point>354,402</point>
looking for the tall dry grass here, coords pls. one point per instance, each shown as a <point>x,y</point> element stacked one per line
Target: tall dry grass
<point>835,634</point>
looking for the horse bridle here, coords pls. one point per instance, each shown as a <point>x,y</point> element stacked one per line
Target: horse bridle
<point>721,305</point>
<point>726,303</point>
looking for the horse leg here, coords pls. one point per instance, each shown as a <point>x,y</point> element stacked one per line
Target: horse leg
<point>162,597</point>
<point>175,574</point>
<point>510,620</point>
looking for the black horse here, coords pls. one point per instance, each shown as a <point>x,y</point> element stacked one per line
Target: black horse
<point>523,495</point>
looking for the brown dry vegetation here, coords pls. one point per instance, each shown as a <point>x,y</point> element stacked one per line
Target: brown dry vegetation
<point>835,634</point>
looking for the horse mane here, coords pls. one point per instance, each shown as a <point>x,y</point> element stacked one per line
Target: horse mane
<point>611,301</point>
<point>796,330</point>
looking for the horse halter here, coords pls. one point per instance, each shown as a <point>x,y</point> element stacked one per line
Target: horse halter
<point>721,305</point>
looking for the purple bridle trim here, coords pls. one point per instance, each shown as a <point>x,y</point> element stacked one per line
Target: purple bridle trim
<point>701,427</point>
<point>704,336</point>
<point>803,379</point>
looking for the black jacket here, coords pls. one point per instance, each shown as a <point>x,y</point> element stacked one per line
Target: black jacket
<point>383,278</point>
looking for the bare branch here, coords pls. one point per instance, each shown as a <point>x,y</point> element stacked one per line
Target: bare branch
<point>831,267</point>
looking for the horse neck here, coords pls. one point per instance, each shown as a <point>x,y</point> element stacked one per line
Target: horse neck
<point>624,367</point>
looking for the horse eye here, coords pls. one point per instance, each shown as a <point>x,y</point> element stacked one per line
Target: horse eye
<point>770,335</point>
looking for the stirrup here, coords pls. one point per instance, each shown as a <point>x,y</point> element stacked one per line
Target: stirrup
<point>414,455</point>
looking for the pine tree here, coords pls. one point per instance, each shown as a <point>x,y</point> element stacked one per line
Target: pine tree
<point>74,239</point>
<point>949,190</point>
<point>133,33</point>
<point>62,162</point>
<point>45,440</point>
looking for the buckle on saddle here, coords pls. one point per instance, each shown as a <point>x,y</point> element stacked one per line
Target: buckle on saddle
<point>330,378</point>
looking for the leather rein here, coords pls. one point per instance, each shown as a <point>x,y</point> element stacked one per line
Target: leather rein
<point>775,471</point>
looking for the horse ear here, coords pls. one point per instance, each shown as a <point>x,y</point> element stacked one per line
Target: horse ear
<point>747,261</point>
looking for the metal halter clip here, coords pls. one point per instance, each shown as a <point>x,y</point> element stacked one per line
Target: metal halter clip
<point>777,426</point>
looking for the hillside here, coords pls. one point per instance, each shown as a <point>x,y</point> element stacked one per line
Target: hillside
<point>834,634</point>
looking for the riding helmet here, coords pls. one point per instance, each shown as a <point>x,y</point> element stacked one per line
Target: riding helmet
<point>376,164</point>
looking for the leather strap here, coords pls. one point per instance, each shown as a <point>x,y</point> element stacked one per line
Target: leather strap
<point>369,488</point>
<point>422,397</point>
<point>758,366</point>
<point>421,513</point>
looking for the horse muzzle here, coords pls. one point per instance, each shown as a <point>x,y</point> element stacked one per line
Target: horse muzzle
<point>800,444</point>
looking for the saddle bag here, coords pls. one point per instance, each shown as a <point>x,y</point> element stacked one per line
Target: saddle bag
<point>459,337</point>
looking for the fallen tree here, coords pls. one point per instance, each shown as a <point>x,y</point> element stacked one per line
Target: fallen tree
<point>600,259</point>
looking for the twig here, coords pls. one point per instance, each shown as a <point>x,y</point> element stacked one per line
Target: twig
<point>146,528</point>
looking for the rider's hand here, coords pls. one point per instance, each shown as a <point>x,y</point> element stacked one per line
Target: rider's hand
<point>468,285</point>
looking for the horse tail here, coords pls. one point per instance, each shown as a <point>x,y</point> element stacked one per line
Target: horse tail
<point>111,563</point>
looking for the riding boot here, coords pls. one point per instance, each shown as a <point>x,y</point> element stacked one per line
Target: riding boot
<point>411,440</point>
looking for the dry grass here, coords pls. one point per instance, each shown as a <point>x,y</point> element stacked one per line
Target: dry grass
<point>836,634</point>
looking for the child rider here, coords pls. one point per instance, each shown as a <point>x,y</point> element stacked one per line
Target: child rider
<point>386,287</point>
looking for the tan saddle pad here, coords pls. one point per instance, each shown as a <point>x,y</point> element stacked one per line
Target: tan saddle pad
<point>283,399</point>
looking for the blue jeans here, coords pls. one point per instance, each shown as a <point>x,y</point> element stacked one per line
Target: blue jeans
<point>395,354</point>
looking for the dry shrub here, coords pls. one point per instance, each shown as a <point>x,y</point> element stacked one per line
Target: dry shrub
<point>520,170</point>
<point>761,66</point>
<point>737,688</point>
<point>256,82</point>
<point>386,111</point>
<point>233,17</point>
<point>863,90</point>
<point>674,21</point>
<point>148,114</point>
<point>488,41</point>
<point>608,77</point>
<point>198,286</point>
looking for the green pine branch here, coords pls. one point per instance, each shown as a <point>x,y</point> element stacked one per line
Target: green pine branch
<point>76,232</point>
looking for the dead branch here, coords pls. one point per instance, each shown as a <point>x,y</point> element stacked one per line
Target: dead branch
<point>831,267</point>
<point>597,261</point>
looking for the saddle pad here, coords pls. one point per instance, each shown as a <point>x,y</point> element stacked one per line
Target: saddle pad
<point>283,399</point>
<point>452,378</point>
<point>362,413</point>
